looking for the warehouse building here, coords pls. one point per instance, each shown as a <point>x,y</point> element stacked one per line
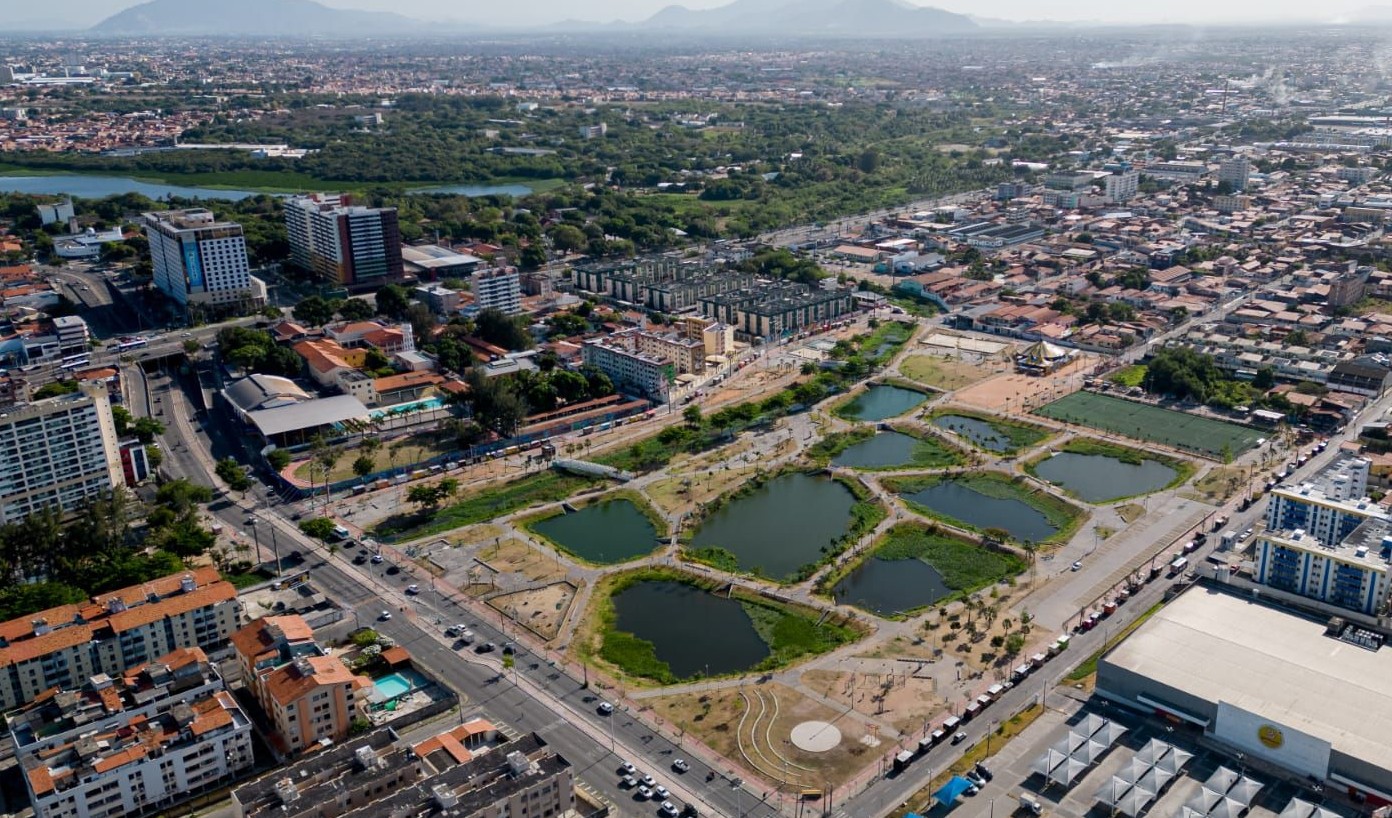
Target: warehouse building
<point>1306,696</point>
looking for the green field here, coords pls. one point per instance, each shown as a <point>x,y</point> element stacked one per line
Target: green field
<point>483,505</point>
<point>1204,436</point>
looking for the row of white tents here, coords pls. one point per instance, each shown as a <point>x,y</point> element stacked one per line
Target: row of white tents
<point>1131,789</point>
<point>1079,750</point>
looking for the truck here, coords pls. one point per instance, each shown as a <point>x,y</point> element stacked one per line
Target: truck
<point>1220,522</point>
<point>902,761</point>
<point>1178,565</point>
<point>1030,804</point>
<point>1227,541</point>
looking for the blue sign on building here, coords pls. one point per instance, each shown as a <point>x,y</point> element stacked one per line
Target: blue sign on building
<point>193,266</point>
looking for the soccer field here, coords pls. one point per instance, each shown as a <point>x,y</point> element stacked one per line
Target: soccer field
<point>1142,421</point>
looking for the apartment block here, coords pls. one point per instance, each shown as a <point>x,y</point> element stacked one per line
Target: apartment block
<point>497,289</point>
<point>778,309</point>
<point>64,647</point>
<point>463,772</point>
<point>73,334</point>
<point>201,263</point>
<point>1351,574</point>
<point>308,695</point>
<point>662,284</point>
<point>60,452</point>
<point>357,247</point>
<point>1122,186</point>
<point>687,354</point>
<point>131,744</point>
<point>1236,172</point>
<point>1327,507</point>
<point>629,369</point>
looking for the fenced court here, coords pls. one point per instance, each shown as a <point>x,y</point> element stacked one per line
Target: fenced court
<point>1142,421</point>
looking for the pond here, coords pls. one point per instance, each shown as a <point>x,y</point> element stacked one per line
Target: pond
<point>693,631</point>
<point>97,187</point>
<point>884,450</point>
<point>882,402</point>
<point>978,431</point>
<point>1098,478</point>
<point>961,502</point>
<point>781,526</point>
<point>604,533</point>
<point>889,587</point>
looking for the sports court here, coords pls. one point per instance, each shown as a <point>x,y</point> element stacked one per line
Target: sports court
<point>1141,421</point>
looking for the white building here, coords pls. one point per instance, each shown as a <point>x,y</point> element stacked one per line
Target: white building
<point>1328,507</point>
<point>342,243</point>
<point>59,213</point>
<point>1352,574</point>
<point>631,370</point>
<point>135,744</point>
<point>498,289</point>
<point>73,334</point>
<point>202,263</point>
<point>58,452</point>
<point>1235,172</point>
<point>1122,187</point>
<point>87,244</point>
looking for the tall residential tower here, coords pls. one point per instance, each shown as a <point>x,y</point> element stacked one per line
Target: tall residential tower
<point>357,247</point>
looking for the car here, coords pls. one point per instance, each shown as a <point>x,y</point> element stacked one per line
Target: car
<point>509,648</point>
<point>359,559</point>
<point>486,647</point>
<point>983,771</point>
<point>605,708</point>
<point>662,792</point>
<point>384,616</point>
<point>377,559</point>
<point>649,781</point>
<point>627,768</point>
<point>680,765</point>
<point>643,793</point>
<point>628,782</point>
<point>413,589</point>
<point>393,570</point>
<point>688,811</point>
<point>975,779</point>
<point>669,809</point>
<point>972,789</point>
<point>1078,566</point>
<point>959,738</point>
<point>453,630</point>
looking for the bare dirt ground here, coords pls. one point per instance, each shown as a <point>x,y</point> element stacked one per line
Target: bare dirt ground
<point>942,372</point>
<point>540,610</point>
<point>678,495</point>
<point>903,700</point>
<point>1017,393</point>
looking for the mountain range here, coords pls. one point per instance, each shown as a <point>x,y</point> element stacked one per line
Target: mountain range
<point>304,18</point>
<point>285,18</point>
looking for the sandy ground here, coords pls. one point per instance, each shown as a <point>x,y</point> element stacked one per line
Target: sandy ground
<point>944,372</point>
<point>905,701</point>
<point>540,610</point>
<point>1020,393</point>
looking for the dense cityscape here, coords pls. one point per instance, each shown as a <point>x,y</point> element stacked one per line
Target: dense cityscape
<point>638,421</point>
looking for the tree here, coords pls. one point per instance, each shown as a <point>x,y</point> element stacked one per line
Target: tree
<point>278,459</point>
<point>320,528</point>
<point>532,256</point>
<point>147,429</point>
<point>356,309</point>
<point>233,474</point>
<point>1265,378</point>
<point>314,311</point>
<point>121,418</point>
<point>364,465</point>
<point>393,302</point>
<point>568,238</point>
<point>509,332</point>
<point>692,415</point>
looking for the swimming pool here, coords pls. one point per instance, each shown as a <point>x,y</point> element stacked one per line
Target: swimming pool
<point>396,685</point>
<point>424,405</point>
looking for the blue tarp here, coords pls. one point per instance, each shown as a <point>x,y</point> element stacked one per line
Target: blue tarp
<point>952,790</point>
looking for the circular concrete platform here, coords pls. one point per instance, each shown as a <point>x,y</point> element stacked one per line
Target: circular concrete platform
<point>816,736</point>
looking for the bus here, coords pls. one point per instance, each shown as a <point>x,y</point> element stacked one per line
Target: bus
<point>74,361</point>
<point>132,343</point>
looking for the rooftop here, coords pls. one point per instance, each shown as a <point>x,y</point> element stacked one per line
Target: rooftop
<point>308,415</point>
<point>1272,663</point>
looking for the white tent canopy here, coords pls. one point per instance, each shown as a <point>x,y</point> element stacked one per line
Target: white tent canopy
<point>1046,763</point>
<point>1244,790</point>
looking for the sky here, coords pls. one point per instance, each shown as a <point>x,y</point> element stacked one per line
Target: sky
<point>82,13</point>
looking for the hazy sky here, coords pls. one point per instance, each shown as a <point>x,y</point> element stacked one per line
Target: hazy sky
<point>87,12</point>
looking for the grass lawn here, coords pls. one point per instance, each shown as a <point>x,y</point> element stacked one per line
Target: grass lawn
<point>415,449</point>
<point>1218,484</point>
<point>1062,515</point>
<point>1129,375</point>
<point>247,578</point>
<point>1142,421</point>
<point>942,373</point>
<point>483,505</point>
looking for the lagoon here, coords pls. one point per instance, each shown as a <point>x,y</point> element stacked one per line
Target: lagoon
<point>890,587</point>
<point>882,402</point>
<point>603,533</point>
<point>694,631</point>
<point>1098,478</point>
<point>960,502</point>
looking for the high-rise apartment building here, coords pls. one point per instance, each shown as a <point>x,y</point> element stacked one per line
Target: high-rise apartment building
<point>201,263</point>
<point>1327,507</point>
<point>65,646</point>
<point>58,453</point>
<point>133,744</point>
<point>497,289</point>
<point>1235,172</point>
<point>357,247</point>
<point>1122,186</point>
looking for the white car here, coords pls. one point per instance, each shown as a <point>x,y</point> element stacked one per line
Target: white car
<point>668,809</point>
<point>377,559</point>
<point>680,765</point>
<point>643,792</point>
<point>385,616</point>
<point>1078,566</point>
<point>605,708</point>
<point>413,589</point>
<point>662,792</point>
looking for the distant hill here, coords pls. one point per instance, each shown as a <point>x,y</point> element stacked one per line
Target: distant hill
<point>286,18</point>
<point>845,18</point>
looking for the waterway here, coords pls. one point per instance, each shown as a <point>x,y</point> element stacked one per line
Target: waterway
<point>1098,478</point>
<point>97,187</point>
<point>889,587</point>
<point>884,450</point>
<point>961,502</point>
<point>694,631</point>
<point>883,402</point>
<point>781,526</point>
<point>604,533</point>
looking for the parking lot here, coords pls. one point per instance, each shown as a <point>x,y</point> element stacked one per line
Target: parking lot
<point>1013,775</point>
